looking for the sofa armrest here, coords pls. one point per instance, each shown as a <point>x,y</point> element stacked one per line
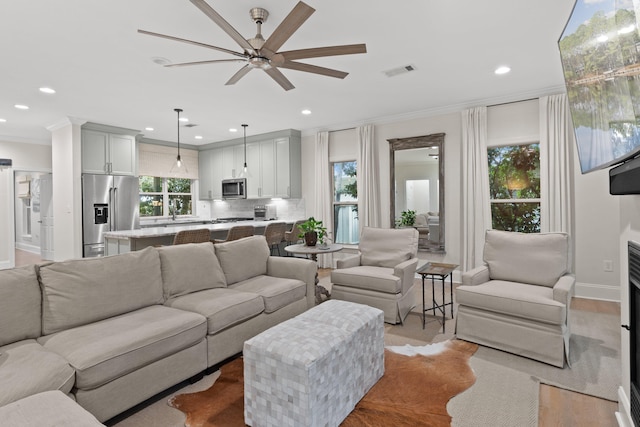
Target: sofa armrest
<point>348,262</point>
<point>295,268</point>
<point>476,276</point>
<point>564,289</point>
<point>406,271</point>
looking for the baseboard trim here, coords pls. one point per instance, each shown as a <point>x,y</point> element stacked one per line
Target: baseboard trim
<point>623,416</point>
<point>28,248</point>
<point>599,292</point>
<point>5,264</point>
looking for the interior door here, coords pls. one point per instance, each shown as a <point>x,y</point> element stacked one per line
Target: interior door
<point>46,217</point>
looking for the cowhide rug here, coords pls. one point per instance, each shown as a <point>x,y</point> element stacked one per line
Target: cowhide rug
<point>414,390</point>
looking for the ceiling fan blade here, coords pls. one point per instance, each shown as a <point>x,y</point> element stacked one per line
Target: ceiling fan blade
<point>226,27</point>
<point>183,64</point>
<point>208,46</point>
<point>239,74</point>
<point>300,13</point>
<point>318,52</point>
<point>313,69</point>
<point>279,78</point>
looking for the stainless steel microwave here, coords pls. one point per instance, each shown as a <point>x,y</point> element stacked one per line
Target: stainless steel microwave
<point>234,188</point>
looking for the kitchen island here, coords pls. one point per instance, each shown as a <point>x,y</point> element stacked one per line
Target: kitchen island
<point>120,242</point>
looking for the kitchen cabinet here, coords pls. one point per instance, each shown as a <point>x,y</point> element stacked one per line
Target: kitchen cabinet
<point>273,161</point>
<point>108,153</point>
<point>232,161</point>
<point>261,163</point>
<point>288,180</point>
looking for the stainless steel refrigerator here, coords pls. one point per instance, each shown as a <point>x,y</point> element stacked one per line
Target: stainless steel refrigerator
<point>109,203</point>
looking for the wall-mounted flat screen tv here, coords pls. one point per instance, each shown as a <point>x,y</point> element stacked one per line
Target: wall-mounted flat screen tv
<point>600,52</point>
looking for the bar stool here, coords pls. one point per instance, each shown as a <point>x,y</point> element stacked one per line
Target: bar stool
<point>200,235</point>
<point>237,232</point>
<point>274,233</point>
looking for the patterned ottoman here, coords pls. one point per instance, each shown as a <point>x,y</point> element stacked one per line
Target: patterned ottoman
<point>312,370</point>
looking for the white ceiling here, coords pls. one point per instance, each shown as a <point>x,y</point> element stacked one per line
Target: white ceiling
<point>89,51</point>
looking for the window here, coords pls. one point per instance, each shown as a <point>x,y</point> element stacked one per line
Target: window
<point>345,203</point>
<point>159,196</point>
<point>514,186</point>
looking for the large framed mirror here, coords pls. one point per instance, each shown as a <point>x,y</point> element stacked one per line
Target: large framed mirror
<point>417,184</point>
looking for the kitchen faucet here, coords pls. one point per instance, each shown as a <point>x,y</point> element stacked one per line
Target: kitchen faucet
<point>172,209</point>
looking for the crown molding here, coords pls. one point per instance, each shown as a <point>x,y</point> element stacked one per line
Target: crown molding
<point>66,121</point>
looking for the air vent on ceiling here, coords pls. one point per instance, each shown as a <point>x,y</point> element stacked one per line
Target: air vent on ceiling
<point>190,125</point>
<point>400,70</point>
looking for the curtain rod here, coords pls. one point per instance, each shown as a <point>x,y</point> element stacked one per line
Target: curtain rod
<point>340,130</point>
<point>513,102</point>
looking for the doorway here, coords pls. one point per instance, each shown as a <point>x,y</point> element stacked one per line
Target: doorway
<point>33,222</point>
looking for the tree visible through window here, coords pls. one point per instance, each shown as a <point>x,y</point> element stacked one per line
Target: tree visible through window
<point>345,203</point>
<point>514,186</point>
<point>159,196</point>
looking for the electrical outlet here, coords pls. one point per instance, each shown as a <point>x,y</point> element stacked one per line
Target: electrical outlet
<point>608,265</point>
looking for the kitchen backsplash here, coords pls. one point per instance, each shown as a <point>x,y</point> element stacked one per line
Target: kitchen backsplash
<point>287,209</point>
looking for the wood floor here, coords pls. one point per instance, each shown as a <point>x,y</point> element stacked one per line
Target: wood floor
<point>564,408</point>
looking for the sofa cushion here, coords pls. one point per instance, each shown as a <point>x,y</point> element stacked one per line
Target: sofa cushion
<point>20,305</point>
<point>244,258</point>
<point>83,291</point>
<point>379,279</point>
<point>387,247</point>
<point>276,292</point>
<point>536,258</point>
<point>27,368</point>
<point>189,268</point>
<point>49,408</point>
<point>222,307</point>
<point>515,299</point>
<point>103,351</point>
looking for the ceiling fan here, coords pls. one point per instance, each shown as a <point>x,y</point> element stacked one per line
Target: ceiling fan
<point>263,54</point>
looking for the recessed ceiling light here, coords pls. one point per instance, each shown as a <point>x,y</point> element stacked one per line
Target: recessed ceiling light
<point>233,130</point>
<point>198,137</point>
<point>149,129</point>
<point>183,119</point>
<point>306,112</point>
<point>21,107</point>
<point>47,90</point>
<point>502,70</point>
<point>3,120</point>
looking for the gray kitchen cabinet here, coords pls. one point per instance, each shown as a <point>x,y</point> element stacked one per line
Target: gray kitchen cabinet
<point>108,153</point>
<point>261,162</point>
<point>288,181</point>
<point>233,161</point>
<point>210,174</point>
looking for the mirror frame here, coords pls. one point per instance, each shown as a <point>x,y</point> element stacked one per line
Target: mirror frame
<point>425,141</point>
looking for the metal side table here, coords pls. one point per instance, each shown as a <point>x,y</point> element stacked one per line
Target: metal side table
<point>439,271</point>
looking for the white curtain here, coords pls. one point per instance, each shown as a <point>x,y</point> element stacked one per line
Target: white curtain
<point>476,213</point>
<point>368,178</point>
<point>556,164</point>
<point>324,192</point>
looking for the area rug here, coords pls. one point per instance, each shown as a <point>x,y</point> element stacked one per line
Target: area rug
<point>595,358</point>
<point>414,391</point>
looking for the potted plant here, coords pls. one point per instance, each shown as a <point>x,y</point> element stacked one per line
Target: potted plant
<point>407,218</point>
<point>312,231</point>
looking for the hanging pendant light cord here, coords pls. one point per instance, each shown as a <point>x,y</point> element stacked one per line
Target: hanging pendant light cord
<point>245,146</point>
<point>178,110</point>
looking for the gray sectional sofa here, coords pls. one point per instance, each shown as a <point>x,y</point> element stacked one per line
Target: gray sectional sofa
<point>111,332</point>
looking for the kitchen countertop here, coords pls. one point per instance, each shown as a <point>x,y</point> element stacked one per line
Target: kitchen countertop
<point>171,229</point>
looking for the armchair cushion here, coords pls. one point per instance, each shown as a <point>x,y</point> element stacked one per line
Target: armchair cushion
<point>379,279</point>
<point>381,248</point>
<point>538,259</point>
<point>515,299</point>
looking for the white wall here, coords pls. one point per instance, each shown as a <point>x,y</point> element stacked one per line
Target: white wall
<point>596,212</point>
<point>25,157</point>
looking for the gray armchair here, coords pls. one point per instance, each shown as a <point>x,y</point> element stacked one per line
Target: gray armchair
<point>382,274</point>
<point>519,300</point>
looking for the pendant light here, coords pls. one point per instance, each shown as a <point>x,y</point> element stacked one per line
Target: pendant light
<point>178,167</point>
<point>245,171</point>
